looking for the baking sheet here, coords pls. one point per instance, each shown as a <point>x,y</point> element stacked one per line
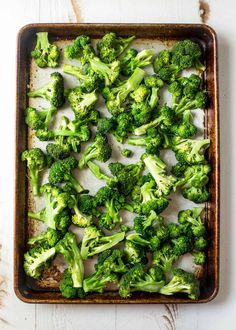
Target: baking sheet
<point>39,77</point>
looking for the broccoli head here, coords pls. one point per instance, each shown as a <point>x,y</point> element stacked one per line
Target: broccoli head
<point>52,91</point>
<point>80,102</point>
<point>132,60</point>
<point>111,46</point>
<point>182,281</point>
<point>45,53</point>
<point>39,119</point>
<point>36,162</point>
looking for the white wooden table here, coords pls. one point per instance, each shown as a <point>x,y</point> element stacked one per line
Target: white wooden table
<point>220,313</point>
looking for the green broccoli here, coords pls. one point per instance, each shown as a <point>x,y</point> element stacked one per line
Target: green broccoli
<point>157,168</point>
<point>52,91</point>
<point>199,257</point>
<point>37,259</point>
<point>200,244</point>
<point>190,151</point>
<point>80,49</point>
<point>185,127</point>
<point>134,59</point>
<point>55,213</point>
<point>105,125</point>
<point>115,97</point>
<point>164,120</point>
<point>68,247</point>
<point>182,281</point>
<point>89,81</point>
<point>100,150</point>
<point>155,84</point>
<point>80,102</point>
<point>94,241</point>
<point>134,253</point>
<point>165,257</point>
<point>45,53</point>
<point>113,201</point>
<point>111,46</point>
<point>152,141</point>
<point>61,171</point>
<point>126,153</point>
<point>126,175</point>
<point>39,119</point>
<point>136,279</point>
<point>36,162</point>
<point>124,125</point>
<point>107,72</point>
<point>57,151</point>
<point>98,173</point>
<point>48,238</point>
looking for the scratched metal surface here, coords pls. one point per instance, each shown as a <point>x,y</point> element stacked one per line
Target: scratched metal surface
<point>220,313</point>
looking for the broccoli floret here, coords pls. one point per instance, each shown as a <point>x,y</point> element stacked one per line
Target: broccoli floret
<point>175,230</point>
<point>126,153</point>
<point>54,214</point>
<point>124,125</point>
<point>164,258</point>
<point>66,285</point>
<point>81,219</point>
<point>105,125</point>
<point>163,67</point>
<point>199,257</point>
<point>113,201</point>
<point>89,81</point>
<point>193,182</point>
<point>134,253</point>
<point>132,60</point>
<point>196,195</point>
<point>157,168</point>
<point>61,171</point>
<point>57,151</point>
<point>200,244</point>
<point>52,91</point>
<point>155,84</point>
<point>98,173</point>
<point>115,97</point>
<point>136,279</point>
<point>100,150</point>
<point>48,238</point>
<point>111,46</point>
<point>126,175</point>
<point>190,151</point>
<point>183,55</point>
<point>149,199</point>
<point>141,112</point>
<point>95,242</point>
<point>181,245</point>
<point>38,119</point>
<point>182,282</point>
<point>178,169</point>
<point>140,94</point>
<point>107,72</point>
<point>187,54</point>
<point>185,128</point>
<point>80,49</point>
<point>45,53</point>
<point>164,120</point>
<point>36,162</point>
<point>87,204</point>
<point>153,141</point>
<point>68,247</point>
<point>37,259</point>
<point>80,102</point>
<point>137,238</point>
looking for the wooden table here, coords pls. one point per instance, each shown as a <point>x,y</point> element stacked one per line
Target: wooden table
<point>220,313</point>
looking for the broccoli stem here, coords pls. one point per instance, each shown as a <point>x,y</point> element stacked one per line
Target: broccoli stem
<point>137,141</point>
<point>34,179</point>
<point>75,184</point>
<point>95,169</point>
<point>198,145</point>
<point>143,129</point>
<point>42,259</point>
<point>74,71</point>
<point>42,40</point>
<point>36,215</point>
<point>106,242</point>
<point>39,92</point>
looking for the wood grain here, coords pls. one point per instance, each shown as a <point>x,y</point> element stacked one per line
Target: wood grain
<point>219,314</point>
